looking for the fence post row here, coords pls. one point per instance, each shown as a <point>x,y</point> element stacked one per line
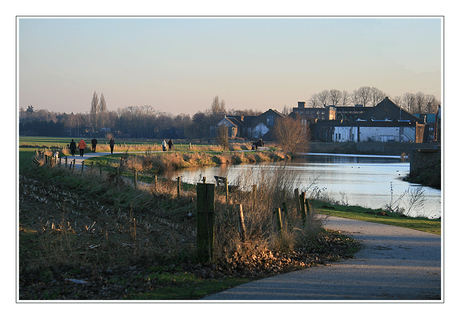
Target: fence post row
<point>205,222</point>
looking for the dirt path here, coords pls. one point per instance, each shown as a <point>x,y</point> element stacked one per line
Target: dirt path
<point>394,264</point>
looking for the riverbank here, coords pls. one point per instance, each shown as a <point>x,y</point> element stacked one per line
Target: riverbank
<point>117,242</point>
<point>377,148</point>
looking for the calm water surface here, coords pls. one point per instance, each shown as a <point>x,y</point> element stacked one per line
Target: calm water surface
<point>369,181</point>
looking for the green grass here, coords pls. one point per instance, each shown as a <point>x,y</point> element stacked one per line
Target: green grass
<point>184,286</point>
<point>432,226</point>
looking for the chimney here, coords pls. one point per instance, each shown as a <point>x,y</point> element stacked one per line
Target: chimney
<point>301,104</point>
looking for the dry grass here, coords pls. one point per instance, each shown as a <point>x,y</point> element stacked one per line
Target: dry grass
<point>160,200</point>
<point>259,204</point>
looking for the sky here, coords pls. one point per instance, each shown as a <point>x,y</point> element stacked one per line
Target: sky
<point>178,65</point>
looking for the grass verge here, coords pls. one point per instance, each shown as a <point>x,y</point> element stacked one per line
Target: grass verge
<point>432,226</point>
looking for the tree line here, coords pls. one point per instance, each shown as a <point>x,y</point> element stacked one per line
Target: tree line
<point>131,121</point>
<point>371,96</point>
<point>146,122</point>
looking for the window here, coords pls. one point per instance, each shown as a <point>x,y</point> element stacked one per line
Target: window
<point>270,120</point>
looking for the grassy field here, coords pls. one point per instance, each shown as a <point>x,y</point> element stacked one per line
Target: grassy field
<point>352,212</point>
<point>127,243</point>
<point>125,144</point>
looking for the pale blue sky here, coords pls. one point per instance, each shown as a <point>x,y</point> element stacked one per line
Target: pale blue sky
<point>178,65</point>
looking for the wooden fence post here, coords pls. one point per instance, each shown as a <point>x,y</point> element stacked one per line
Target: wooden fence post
<point>82,166</point>
<point>286,213</point>
<point>242,224</point>
<point>135,178</point>
<point>66,162</point>
<point>226,190</point>
<point>178,185</point>
<point>302,208</point>
<point>307,204</point>
<point>279,220</point>
<point>205,221</point>
<point>73,168</point>
<point>297,199</point>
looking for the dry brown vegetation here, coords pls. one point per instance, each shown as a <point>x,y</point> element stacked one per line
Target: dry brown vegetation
<point>94,226</point>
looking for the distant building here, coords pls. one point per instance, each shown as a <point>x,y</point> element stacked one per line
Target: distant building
<point>386,122</point>
<point>350,113</point>
<point>250,127</point>
<point>315,113</point>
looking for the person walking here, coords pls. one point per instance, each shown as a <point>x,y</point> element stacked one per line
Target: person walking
<point>112,144</point>
<point>81,146</point>
<point>170,144</point>
<point>73,147</point>
<point>93,144</point>
<point>164,145</point>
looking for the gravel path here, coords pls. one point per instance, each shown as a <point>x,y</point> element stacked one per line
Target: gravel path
<point>394,264</point>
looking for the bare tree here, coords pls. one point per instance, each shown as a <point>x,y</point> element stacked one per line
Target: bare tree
<point>376,96</point>
<point>355,97</point>
<point>323,97</point>
<point>218,107</point>
<point>398,100</point>
<point>102,104</point>
<point>420,102</point>
<point>364,94</point>
<point>222,136</point>
<point>291,135</point>
<point>335,96</point>
<point>102,111</point>
<point>314,100</point>
<point>408,101</point>
<point>94,111</point>
<point>345,97</point>
<point>431,104</point>
<point>287,110</point>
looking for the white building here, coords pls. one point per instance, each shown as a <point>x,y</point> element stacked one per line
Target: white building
<point>356,133</point>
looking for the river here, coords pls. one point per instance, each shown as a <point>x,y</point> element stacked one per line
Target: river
<point>366,180</point>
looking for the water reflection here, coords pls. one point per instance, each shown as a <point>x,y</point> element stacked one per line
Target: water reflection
<point>369,181</point>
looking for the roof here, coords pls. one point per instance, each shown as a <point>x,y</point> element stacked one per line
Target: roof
<point>388,110</point>
<point>273,111</point>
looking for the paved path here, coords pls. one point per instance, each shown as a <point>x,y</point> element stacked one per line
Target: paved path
<point>394,264</point>
<point>86,155</point>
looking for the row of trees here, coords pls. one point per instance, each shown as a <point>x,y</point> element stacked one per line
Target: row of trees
<point>131,121</point>
<point>145,122</point>
<point>371,96</point>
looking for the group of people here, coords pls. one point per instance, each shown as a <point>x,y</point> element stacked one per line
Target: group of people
<point>82,145</point>
<point>168,145</point>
